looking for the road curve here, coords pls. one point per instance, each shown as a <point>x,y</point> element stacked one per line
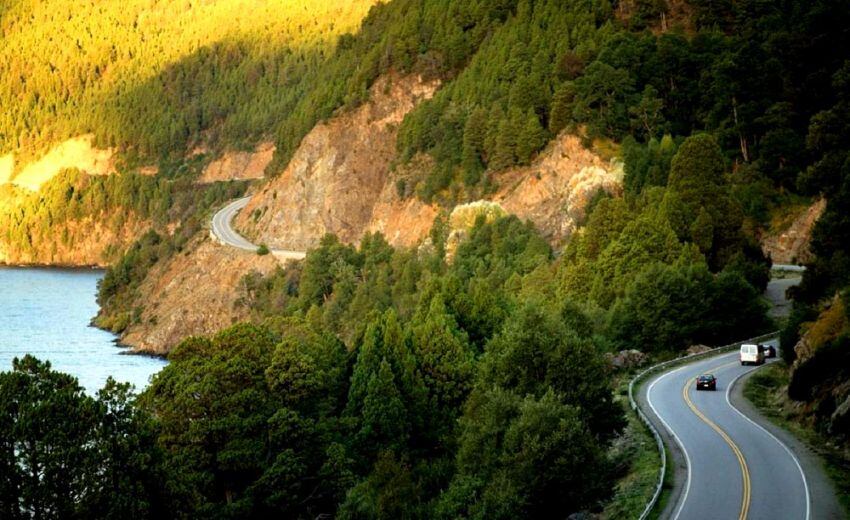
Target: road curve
<point>735,468</point>
<point>222,232</point>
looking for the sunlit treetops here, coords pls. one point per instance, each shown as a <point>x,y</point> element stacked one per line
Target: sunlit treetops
<point>117,68</point>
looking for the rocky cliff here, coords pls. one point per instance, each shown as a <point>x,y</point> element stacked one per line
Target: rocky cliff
<point>554,191</point>
<point>790,245</point>
<point>239,165</point>
<point>337,180</point>
<point>196,292</point>
<point>341,181</point>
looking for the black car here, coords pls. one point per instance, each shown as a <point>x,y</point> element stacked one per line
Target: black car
<point>706,382</point>
<point>769,351</point>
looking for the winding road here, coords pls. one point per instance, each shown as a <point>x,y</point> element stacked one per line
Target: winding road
<point>730,463</point>
<point>221,230</point>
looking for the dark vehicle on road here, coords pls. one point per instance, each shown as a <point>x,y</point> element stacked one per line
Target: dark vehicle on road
<point>769,351</point>
<point>706,382</point>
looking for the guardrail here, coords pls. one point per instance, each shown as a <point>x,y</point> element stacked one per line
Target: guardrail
<point>788,267</point>
<point>655,433</point>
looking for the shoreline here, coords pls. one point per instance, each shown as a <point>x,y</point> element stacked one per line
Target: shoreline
<point>60,267</point>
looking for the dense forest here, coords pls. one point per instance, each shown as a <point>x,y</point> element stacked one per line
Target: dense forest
<point>822,301</point>
<point>152,77</point>
<point>381,382</point>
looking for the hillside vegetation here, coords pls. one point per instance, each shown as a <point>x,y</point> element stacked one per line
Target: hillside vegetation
<point>152,77</point>
<point>381,382</point>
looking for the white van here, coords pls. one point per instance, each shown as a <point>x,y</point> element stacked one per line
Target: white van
<point>752,354</point>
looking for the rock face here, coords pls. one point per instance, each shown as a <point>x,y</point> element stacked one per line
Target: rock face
<point>239,165</point>
<point>791,246</point>
<point>627,359</point>
<point>554,191</point>
<point>340,181</point>
<point>78,153</point>
<point>697,349</point>
<point>194,293</point>
<point>337,180</point>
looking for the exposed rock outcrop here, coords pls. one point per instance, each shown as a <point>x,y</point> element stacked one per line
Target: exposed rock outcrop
<point>239,165</point>
<point>339,174</point>
<point>193,293</point>
<point>791,245</point>
<point>79,153</point>
<point>339,181</point>
<point>554,191</point>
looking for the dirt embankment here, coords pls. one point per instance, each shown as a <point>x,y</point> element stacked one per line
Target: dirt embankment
<point>337,180</point>
<point>340,181</point>
<point>193,293</point>
<point>239,165</point>
<point>791,244</point>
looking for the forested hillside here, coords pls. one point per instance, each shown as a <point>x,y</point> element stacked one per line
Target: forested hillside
<point>151,77</point>
<point>816,339</point>
<point>462,378</point>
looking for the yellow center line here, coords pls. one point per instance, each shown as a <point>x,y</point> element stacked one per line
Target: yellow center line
<point>745,472</point>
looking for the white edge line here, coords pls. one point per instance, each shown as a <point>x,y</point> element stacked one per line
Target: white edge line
<point>772,436</point>
<point>675,437</point>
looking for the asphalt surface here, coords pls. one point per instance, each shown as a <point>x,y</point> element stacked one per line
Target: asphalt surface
<point>731,466</point>
<point>775,293</point>
<point>222,231</point>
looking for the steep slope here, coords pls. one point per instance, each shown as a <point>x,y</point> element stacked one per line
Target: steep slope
<point>194,293</point>
<point>791,245</point>
<point>156,77</point>
<point>553,192</point>
<point>340,181</point>
<point>335,179</point>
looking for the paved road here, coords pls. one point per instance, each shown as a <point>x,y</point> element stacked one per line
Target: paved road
<point>788,267</point>
<point>222,231</point>
<point>775,293</point>
<point>733,467</point>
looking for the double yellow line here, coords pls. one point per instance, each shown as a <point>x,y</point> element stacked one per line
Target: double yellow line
<point>745,472</point>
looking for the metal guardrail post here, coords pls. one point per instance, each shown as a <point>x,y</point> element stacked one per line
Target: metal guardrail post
<point>655,433</point>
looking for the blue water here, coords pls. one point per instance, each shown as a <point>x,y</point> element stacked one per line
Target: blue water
<point>46,313</point>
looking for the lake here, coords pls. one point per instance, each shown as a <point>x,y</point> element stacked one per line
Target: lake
<point>46,313</point>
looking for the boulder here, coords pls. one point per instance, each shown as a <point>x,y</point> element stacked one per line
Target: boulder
<point>628,358</point>
<point>697,349</point>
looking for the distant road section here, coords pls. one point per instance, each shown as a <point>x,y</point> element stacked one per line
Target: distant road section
<point>788,267</point>
<point>222,232</point>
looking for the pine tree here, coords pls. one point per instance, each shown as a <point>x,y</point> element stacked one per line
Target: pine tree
<point>474,135</point>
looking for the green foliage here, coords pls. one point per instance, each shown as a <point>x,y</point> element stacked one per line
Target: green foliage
<point>69,455</point>
<point>522,457</point>
<point>247,421</point>
<point>496,109</point>
<point>154,80</point>
<point>669,307</point>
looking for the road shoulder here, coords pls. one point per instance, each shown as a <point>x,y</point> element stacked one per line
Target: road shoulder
<point>677,466</point>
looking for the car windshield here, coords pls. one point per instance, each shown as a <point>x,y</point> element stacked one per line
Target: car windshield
<point>706,378</point>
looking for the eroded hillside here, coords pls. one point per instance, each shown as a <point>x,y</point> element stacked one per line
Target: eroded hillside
<point>341,181</point>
